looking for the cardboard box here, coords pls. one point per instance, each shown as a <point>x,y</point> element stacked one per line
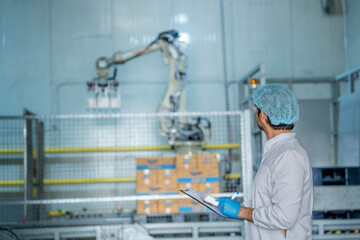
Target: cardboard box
<point>157,190</point>
<point>149,190</point>
<point>153,163</point>
<point>147,207</point>
<point>190,205</point>
<point>146,177</point>
<point>209,187</point>
<point>167,179</point>
<point>209,176</point>
<point>186,161</point>
<point>189,175</point>
<point>188,186</point>
<point>168,189</point>
<point>167,163</point>
<point>168,206</point>
<point>167,176</point>
<point>207,161</point>
<point>147,163</point>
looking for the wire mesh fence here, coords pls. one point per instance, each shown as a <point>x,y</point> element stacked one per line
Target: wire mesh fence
<point>88,167</point>
<point>11,166</point>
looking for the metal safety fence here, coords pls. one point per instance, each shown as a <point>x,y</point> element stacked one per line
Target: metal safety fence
<point>67,169</point>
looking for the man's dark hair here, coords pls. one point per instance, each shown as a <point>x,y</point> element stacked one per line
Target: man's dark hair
<point>277,127</point>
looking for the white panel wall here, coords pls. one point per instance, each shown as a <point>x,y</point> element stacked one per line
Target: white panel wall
<point>80,32</point>
<point>353,33</point>
<point>323,37</point>
<point>293,38</point>
<point>25,67</point>
<point>49,48</point>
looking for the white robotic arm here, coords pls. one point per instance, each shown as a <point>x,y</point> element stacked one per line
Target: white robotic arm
<point>103,64</point>
<point>172,52</point>
<point>174,99</point>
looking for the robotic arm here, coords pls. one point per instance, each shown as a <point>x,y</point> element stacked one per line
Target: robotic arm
<point>175,129</point>
<point>172,53</point>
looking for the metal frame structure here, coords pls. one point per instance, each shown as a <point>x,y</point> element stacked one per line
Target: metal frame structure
<point>224,230</point>
<point>244,99</point>
<point>349,77</point>
<point>322,230</point>
<point>33,163</point>
<point>28,163</point>
<point>182,231</point>
<point>336,229</point>
<point>28,156</point>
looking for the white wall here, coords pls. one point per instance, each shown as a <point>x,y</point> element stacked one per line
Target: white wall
<point>48,48</point>
<point>25,56</point>
<point>352,33</point>
<point>293,38</point>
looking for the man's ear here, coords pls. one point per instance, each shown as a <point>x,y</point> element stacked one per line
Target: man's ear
<point>262,116</point>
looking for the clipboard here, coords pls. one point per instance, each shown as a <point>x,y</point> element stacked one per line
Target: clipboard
<point>200,196</point>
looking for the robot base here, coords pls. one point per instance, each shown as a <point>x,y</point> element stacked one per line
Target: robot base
<point>188,147</point>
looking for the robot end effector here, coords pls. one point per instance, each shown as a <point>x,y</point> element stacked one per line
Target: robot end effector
<point>102,67</point>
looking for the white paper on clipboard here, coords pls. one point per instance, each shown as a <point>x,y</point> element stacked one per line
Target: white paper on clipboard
<point>200,196</point>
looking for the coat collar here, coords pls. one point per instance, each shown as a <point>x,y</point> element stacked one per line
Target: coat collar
<point>279,138</point>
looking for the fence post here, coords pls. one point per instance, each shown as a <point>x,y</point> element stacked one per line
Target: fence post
<point>28,164</point>
<point>39,174</point>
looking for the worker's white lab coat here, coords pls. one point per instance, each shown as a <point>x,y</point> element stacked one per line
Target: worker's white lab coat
<point>282,195</point>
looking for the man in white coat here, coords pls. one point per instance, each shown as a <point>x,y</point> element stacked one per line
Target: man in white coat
<point>282,197</point>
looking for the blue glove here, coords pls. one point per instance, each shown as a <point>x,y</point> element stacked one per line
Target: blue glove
<point>229,207</point>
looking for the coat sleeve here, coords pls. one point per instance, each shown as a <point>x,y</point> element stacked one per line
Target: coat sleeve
<point>288,181</point>
<point>247,203</point>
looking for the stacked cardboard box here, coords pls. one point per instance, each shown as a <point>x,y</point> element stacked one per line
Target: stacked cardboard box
<point>147,207</point>
<point>209,164</point>
<point>168,206</point>
<point>198,173</point>
<point>155,176</point>
<point>159,176</point>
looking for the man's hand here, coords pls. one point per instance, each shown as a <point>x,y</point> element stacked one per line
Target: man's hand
<point>246,213</point>
<point>229,207</point>
<point>234,209</point>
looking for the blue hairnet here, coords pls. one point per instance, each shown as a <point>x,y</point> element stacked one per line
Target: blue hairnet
<point>278,103</point>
